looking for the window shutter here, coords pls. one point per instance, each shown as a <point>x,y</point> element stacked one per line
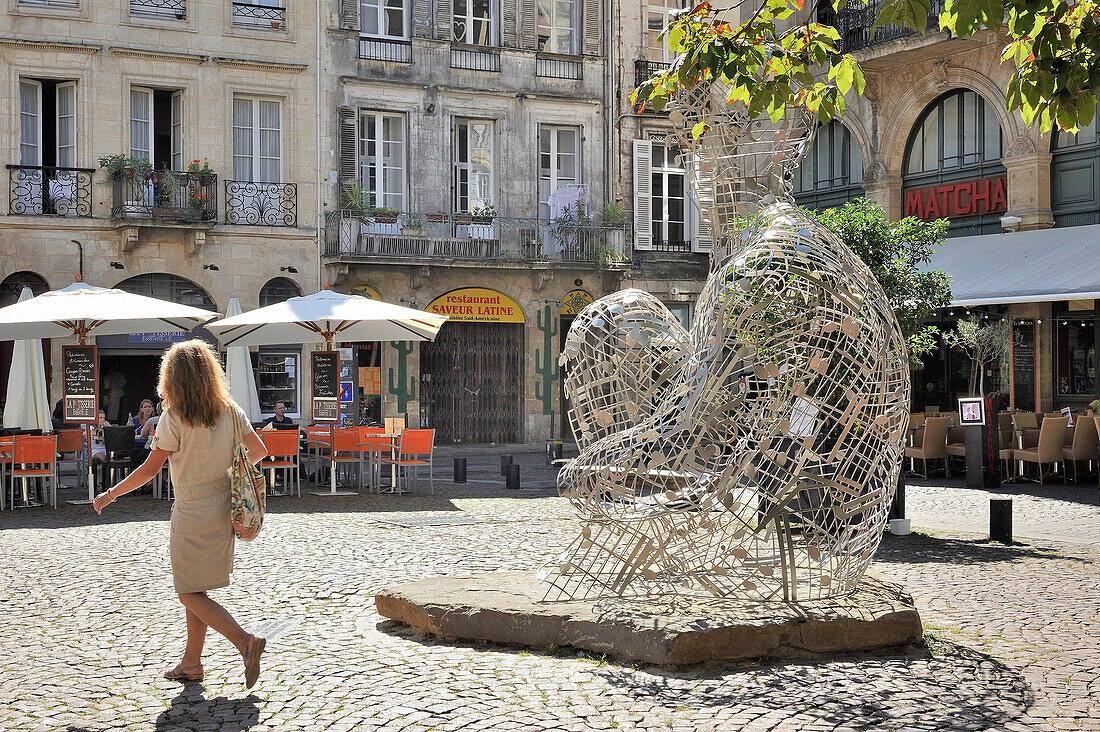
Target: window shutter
<point>422,18</point>
<point>702,237</point>
<point>508,23</point>
<point>66,125</point>
<point>349,14</point>
<point>443,20</point>
<point>141,124</point>
<point>528,24</point>
<point>346,132</point>
<point>30,123</point>
<point>643,226</point>
<point>591,27</point>
<point>177,131</point>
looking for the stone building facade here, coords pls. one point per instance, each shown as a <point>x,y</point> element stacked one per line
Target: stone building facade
<point>230,84</point>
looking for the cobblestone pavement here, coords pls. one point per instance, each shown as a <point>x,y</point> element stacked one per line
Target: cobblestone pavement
<point>90,622</point>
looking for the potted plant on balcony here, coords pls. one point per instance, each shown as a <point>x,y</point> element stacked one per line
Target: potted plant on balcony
<point>385,215</point>
<point>201,170</point>
<point>413,226</point>
<point>356,200</point>
<point>132,167</point>
<point>166,196</point>
<point>484,214</point>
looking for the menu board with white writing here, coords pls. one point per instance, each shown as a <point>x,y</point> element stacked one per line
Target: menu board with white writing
<point>1023,366</point>
<point>79,382</point>
<point>326,386</point>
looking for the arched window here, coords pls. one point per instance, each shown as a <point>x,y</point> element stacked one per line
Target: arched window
<point>953,165</point>
<point>831,174</point>
<point>1075,177</point>
<point>278,290</point>
<point>168,287</point>
<point>14,283</point>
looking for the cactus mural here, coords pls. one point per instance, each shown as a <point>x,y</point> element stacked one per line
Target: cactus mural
<point>545,363</point>
<point>404,396</point>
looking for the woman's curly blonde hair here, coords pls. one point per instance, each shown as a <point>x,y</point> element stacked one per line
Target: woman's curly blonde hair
<point>193,384</point>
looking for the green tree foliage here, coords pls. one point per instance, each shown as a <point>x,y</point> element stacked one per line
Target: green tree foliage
<point>986,345</point>
<point>894,252</point>
<point>1054,45</point>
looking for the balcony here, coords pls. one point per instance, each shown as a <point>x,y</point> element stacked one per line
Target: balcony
<point>385,49</point>
<point>352,236</point>
<point>261,204</point>
<point>37,190</point>
<point>258,17</point>
<point>854,22</point>
<point>671,246</point>
<point>164,9</point>
<point>553,66</point>
<point>475,58</point>
<point>644,69</point>
<point>178,197</point>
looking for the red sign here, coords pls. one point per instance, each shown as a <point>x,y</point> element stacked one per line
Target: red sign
<point>952,200</point>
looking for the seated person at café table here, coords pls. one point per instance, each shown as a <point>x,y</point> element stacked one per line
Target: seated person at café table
<point>99,449</point>
<point>1093,408</point>
<point>279,418</point>
<point>143,424</point>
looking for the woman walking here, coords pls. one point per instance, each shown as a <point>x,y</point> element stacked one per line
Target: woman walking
<point>197,434</point>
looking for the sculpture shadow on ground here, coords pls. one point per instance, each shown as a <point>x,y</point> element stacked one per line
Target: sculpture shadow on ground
<point>1083,493</point>
<point>951,686</point>
<point>191,709</point>
<point>918,548</point>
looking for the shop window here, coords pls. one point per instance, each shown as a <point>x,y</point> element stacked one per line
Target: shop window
<point>1075,340</point>
<point>559,26</point>
<point>473,165</point>
<point>831,174</point>
<point>277,367</point>
<point>559,163</point>
<point>1075,176</point>
<point>382,158</point>
<point>953,165</point>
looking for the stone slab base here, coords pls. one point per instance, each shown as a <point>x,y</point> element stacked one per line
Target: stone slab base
<point>505,607</point>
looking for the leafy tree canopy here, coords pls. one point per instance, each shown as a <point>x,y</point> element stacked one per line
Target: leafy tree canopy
<point>1054,45</point>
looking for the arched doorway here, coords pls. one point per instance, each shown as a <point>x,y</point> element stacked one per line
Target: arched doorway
<point>10,289</point>
<point>277,290</point>
<point>831,174</point>
<point>277,368</point>
<point>953,166</point>
<point>129,365</point>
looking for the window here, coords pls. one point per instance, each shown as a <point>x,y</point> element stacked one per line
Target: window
<point>953,165</point>
<point>257,142</point>
<point>1075,176</point>
<point>831,173</point>
<point>276,367</point>
<point>475,22</point>
<point>67,4</point>
<point>473,166</point>
<point>667,209</point>
<point>382,158</point>
<point>383,18</point>
<point>277,290</point>
<point>559,164</point>
<point>165,9</point>
<point>156,126</point>
<point>259,14</point>
<point>1076,355</point>
<point>657,17</point>
<point>168,287</point>
<point>559,22</point>
<point>47,138</point>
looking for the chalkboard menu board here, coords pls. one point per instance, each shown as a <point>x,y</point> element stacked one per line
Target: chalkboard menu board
<point>1023,366</point>
<point>80,379</point>
<point>326,386</point>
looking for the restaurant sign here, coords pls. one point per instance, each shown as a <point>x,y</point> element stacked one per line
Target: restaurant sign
<point>477,305</point>
<point>366,291</point>
<point>967,198</point>
<point>575,301</point>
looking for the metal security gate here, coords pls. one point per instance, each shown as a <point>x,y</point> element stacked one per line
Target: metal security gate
<point>471,382</point>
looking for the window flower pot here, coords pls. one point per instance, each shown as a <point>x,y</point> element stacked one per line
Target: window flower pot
<point>463,219</point>
<point>482,219</point>
<point>384,218</point>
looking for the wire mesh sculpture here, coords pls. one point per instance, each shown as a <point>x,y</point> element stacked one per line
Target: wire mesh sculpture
<point>755,456</point>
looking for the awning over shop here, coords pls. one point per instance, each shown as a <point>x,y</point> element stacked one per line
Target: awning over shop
<point>1029,266</point>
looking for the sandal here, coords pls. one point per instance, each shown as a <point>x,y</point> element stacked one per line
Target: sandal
<point>185,673</point>
<point>253,650</point>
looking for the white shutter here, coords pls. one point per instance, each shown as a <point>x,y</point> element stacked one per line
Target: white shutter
<point>66,125</point>
<point>30,123</point>
<point>177,131</point>
<point>141,123</point>
<point>643,226</point>
<point>702,237</point>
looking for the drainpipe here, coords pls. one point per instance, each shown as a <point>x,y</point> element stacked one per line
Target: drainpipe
<point>319,176</point>
<point>612,147</point>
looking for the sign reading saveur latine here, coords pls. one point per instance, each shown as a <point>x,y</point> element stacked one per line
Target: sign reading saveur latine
<point>951,200</point>
<point>474,304</point>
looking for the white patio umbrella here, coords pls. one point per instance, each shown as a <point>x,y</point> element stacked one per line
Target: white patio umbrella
<point>28,405</point>
<point>82,310</point>
<point>329,316</point>
<point>238,369</point>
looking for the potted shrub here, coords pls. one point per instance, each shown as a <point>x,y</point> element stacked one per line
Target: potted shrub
<point>202,171</point>
<point>385,215</point>
<point>356,200</point>
<point>484,214</point>
<point>438,217</point>
<point>166,195</point>
<point>413,226</point>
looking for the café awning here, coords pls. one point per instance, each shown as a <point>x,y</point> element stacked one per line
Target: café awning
<point>1029,266</point>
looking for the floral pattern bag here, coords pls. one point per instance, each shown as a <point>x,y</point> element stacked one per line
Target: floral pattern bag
<point>248,490</point>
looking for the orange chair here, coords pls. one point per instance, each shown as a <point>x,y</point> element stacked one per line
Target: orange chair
<point>318,442</point>
<point>5,465</point>
<point>367,449</point>
<point>71,442</point>
<point>415,450</point>
<point>40,453</point>
<point>282,454</point>
<point>347,451</point>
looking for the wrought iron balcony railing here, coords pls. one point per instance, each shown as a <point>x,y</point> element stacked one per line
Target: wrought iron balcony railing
<point>660,245</point>
<point>248,15</point>
<point>644,69</point>
<point>855,20</point>
<point>261,204</point>
<point>558,67</point>
<point>38,190</point>
<point>385,49</point>
<point>475,59</point>
<point>173,9</point>
<point>175,197</point>
<point>462,236</point>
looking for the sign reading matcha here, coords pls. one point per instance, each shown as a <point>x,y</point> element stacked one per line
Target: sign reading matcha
<point>477,305</point>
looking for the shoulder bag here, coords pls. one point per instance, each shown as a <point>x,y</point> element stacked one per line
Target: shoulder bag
<point>248,491</point>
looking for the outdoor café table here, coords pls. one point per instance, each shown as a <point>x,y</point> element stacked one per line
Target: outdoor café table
<point>373,445</point>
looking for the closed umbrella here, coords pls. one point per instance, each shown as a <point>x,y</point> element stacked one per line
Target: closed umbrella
<point>238,369</point>
<point>28,405</point>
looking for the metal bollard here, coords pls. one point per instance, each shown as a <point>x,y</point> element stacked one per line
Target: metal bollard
<point>1000,520</point>
<point>505,461</point>
<point>553,451</point>
<point>513,477</point>
<point>460,470</point>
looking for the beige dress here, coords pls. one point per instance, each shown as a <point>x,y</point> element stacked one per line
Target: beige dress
<point>201,539</point>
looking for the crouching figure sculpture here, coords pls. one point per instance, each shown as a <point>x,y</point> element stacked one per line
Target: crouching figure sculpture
<point>756,455</point>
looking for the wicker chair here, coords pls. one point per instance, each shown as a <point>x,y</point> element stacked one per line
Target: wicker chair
<point>933,444</point>
<point>1049,449</point>
<point>1083,445</point>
